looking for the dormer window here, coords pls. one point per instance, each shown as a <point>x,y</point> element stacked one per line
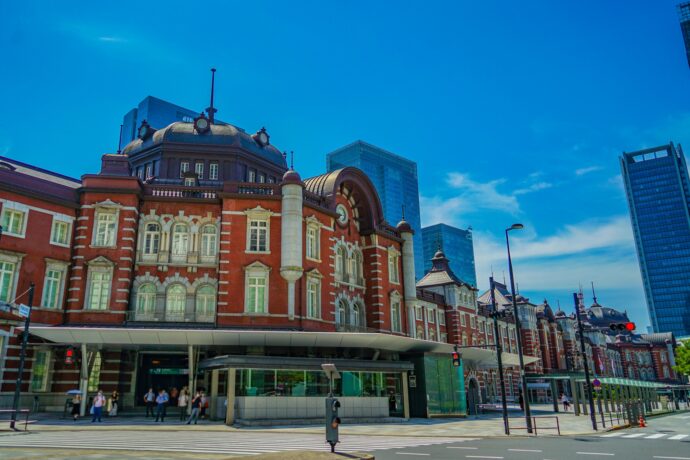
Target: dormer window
<point>199,170</point>
<point>184,167</point>
<point>189,182</point>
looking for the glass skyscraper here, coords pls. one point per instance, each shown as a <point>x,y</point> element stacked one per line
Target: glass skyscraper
<point>456,244</point>
<point>395,179</point>
<point>684,16</point>
<point>658,189</point>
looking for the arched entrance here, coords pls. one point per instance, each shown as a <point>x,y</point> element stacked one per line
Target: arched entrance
<point>472,396</point>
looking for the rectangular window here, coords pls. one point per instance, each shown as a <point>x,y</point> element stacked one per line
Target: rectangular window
<point>251,175</point>
<point>418,313</point>
<point>199,170</point>
<point>149,170</point>
<point>462,319</point>
<point>60,232</point>
<point>431,315</point>
<point>262,178</point>
<point>52,288</point>
<point>663,357</point>
<point>105,229</point>
<point>313,299</point>
<point>441,318</point>
<point>7,281</point>
<point>313,243</point>
<point>184,167</point>
<point>99,290</point>
<point>39,370</point>
<point>395,316</point>
<point>444,337</point>
<point>258,236</point>
<point>393,274</point>
<point>271,180</point>
<point>13,222</point>
<point>213,171</point>
<point>481,326</point>
<point>256,294</point>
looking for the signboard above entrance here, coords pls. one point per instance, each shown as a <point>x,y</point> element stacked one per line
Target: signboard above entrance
<point>168,371</point>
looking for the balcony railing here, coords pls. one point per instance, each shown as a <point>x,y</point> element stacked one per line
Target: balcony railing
<point>163,317</point>
<point>251,188</point>
<point>180,191</point>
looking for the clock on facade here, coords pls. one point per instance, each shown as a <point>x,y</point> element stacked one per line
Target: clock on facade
<point>201,124</point>
<point>342,214</point>
<point>144,130</point>
<point>262,137</point>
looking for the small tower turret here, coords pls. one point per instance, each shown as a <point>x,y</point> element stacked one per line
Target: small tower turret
<point>291,234</point>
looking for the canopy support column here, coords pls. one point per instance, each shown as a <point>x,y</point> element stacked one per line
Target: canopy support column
<point>230,413</point>
<point>84,379</point>
<point>406,396</point>
<point>214,394</point>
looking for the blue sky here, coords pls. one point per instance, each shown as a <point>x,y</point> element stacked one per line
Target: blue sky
<point>514,111</point>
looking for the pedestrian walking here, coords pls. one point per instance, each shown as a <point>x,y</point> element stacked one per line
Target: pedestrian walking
<point>112,404</point>
<point>150,401</point>
<point>196,405</point>
<point>521,401</point>
<point>98,403</point>
<point>161,404</point>
<point>173,395</point>
<point>182,401</point>
<point>565,401</point>
<point>204,405</point>
<point>76,407</point>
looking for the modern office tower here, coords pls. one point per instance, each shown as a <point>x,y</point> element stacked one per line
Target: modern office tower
<point>395,179</point>
<point>456,244</point>
<point>657,187</point>
<point>684,15</point>
<point>157,113</point>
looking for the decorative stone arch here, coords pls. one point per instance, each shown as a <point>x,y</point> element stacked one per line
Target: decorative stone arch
<point>342,298</point>
<point>177,279</point>
<point>357,301</point>
<point>203,281</point>
<point>147,278</point>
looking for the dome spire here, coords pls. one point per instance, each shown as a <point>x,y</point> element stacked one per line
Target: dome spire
<point>211,110</point>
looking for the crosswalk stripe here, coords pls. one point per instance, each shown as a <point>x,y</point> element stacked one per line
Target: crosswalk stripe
<point>678,436</point>
<point>655,436</point>
<point>612,435</point>
<point>634,435</point>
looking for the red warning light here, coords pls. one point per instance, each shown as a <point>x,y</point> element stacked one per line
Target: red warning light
<point>630,326</point>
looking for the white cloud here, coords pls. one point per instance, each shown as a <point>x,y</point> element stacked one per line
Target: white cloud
<point>112,39</point>
<point>533,188</point>
<point>587,170</point>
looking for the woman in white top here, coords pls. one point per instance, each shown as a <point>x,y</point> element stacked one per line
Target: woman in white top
<point>182,403</point>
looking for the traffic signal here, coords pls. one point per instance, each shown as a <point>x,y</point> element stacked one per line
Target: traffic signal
<point>629,326</point>
<point>69,356</point>
<point>456,359</point>
<point>332,421</point>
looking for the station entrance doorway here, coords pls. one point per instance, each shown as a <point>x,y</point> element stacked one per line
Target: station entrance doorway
<point>161,371</point>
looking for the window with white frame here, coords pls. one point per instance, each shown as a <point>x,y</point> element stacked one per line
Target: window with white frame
<point>393,272</point>
<point>149,170</point>
<point>184,167</point>
<point>258,232</point>
<point>431,316</point>
<point>208,241</point>
<point>481,327</point>
<point>95,374</point>
<point>441,318</point>
<point>99,284</point>
<point>60,232</point>
<point>180,240</point>
<point>462,319</point>
<point>444,337</point>
<point>7,280</point>
<point>357,267</point>
<point>199,170</point>
<point>432,334</point>
<point>146,299</point>
<point>418,313</point>
<point>105,228</point>
<point>213,171</point>
<point>206,302</point>
<point>396,325</point>
<point>312,250</point>
<point>262,178</point>
<point>341,313</point>
<point>190,181</point>
<point>357,314</point>
<point>13,221</point>
<point>152,235</point>
<point>340,263</point>
<point>313,297</point>
<point>251,175</point>
<point>40,369</point>
<point>175,302</point>
<point>663,356</point>
<point>53,283</point>
<point>256,289</point>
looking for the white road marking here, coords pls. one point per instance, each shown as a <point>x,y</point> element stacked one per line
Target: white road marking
<point>678,436</point>
<point>673,458</point>
<point>411,453</point>
<point>656,436</point>
<point>479,456</point>
<point>524,450</point>
<point>634,435</point>
<point>468,448</point>
<point>612,435</point>
<point>594,453</point>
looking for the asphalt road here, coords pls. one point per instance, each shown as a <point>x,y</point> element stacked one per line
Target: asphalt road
<point>666,438</point>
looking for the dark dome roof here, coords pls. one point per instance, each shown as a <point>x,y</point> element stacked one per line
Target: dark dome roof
<point>225,135</point>
<point>439,255</point>
<point>404,226</point>
<point>292,177</point>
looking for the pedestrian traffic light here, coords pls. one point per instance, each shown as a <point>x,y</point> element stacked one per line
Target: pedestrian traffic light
<point>332,421</point>
<point>69,356</point>
<point>629,326</point>
<point>456,359</point>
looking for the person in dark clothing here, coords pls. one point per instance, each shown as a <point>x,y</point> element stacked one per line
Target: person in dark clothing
<point>150,401</point>
<point>521,400</point>
<point>196,406</point>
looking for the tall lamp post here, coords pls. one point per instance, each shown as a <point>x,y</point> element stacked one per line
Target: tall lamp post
<point>590,397</point>
<point>499,351</point>
<point>525,396</point>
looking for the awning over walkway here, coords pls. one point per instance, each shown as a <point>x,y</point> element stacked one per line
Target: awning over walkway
<point>282,362</point>
<point>141,337</point>
<point>628,382</point>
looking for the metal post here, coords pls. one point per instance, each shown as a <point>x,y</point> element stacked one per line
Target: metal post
<point>525,394</point>
<point>584,360</point>
<point>22,358</point>
<point>499,351</point>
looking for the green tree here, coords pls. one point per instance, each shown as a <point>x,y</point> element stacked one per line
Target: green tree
<point>683,358</point>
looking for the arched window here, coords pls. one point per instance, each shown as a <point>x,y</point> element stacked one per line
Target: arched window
<point>175,301</point>
<point>180,240</point>
<point>341,263</point>
<point>205,303</point>
<point>208,241</point>
<point>631,372</point>
<point>342,315</point>
<point>356,315</point>
<point>395,315</point>
<point>357,268</point>
<point>151,239</point>
<point>146,300</point>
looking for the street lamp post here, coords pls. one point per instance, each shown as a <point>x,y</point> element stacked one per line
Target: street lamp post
<point>590,396</point>
<point>22,358</point>
<point>499,351</point>
<point>525,395</point>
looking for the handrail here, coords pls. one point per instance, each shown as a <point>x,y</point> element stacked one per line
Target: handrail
<point>557,427</point>
<point>18,411</point>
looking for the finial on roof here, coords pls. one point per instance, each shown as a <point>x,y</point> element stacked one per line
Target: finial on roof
<point>119,142</point>
<point>594,294</point>
<point>211,110</point>
<point>292,160</point>
<point>403,211</point>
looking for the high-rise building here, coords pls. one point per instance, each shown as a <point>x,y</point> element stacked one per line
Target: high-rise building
<point>684,16</point>
<point>157,113</point>
<point>658,189</point>
<point>395,179</point>
<point>456,244</point>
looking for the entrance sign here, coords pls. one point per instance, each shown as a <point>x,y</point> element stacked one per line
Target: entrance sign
<point>596,383</point>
